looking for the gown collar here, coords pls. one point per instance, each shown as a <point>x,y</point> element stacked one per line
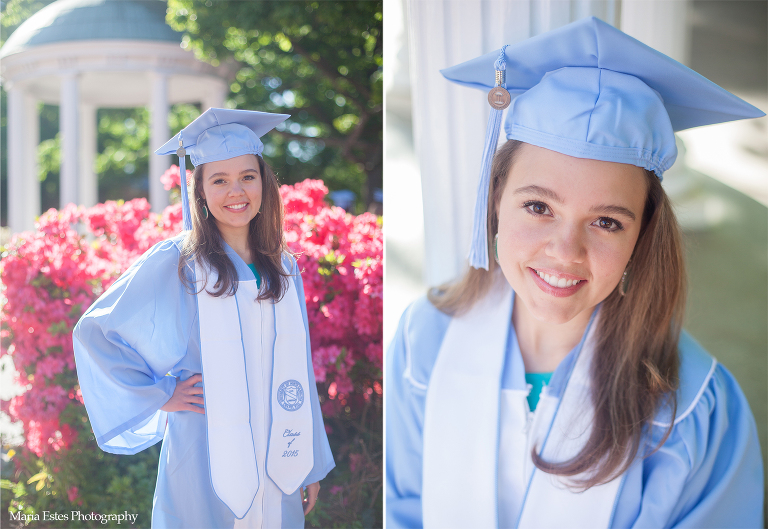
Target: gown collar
<point>514,368</point>
<point>243,272</point>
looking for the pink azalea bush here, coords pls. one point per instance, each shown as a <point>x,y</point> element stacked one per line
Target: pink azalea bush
<point>340,256</point>
<point>172,178</point>
<point>51,276</point>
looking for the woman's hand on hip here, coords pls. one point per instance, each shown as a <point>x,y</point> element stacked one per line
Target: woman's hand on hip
<point>309,502</point>
<point>185,396</point>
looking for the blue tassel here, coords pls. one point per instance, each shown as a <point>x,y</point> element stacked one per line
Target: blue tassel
<point>478,252</point>
<point>185,212</point>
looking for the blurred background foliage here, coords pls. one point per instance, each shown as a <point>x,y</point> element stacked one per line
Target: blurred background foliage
<point>320,62</point>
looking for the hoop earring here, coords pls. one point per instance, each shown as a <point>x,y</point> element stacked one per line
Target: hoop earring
<point>205,212</point>
<point>496,248</point>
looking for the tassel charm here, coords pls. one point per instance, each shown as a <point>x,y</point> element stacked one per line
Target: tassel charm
<point>498,97</point>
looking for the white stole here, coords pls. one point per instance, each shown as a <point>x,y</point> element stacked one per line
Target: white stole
<point>461,431</point>
<point>290,457</point>
<point>232,459</point>
<point>461,418</point>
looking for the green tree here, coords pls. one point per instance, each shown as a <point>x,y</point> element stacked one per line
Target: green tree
<point>321,62</point>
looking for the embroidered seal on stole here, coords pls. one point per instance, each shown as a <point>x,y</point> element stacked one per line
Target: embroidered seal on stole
<point>290,395</point>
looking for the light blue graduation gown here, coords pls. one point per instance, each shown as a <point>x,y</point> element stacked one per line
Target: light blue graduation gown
<point>142,328</point>
<point>708,473</point>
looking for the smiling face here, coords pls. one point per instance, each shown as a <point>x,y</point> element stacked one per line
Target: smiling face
<point>232,191</point>
<point>567,229</point>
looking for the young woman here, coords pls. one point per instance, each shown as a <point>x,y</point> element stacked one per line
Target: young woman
<point>208,333</point>
<point>551,386</point>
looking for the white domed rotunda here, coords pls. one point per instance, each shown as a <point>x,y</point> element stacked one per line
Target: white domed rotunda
<point>88,54</point>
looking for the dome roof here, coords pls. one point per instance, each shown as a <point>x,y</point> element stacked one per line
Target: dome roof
<point>76,20</point>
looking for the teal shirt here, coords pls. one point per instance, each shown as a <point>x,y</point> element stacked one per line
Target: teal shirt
<point>537,381</point>
<point>258,284</point>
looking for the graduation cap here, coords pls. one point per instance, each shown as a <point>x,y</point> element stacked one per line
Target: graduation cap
<point>218,134</point>
<point>590,91</point>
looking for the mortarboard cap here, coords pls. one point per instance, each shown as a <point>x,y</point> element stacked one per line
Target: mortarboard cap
<point>218,134</point>
<point>590,91</point>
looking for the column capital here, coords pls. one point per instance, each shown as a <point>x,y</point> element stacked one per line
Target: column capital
<point>158,75</point>
<point>70,75</point>
<point>14,86</point>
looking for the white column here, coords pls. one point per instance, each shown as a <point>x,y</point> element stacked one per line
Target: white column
<point>159,134</point>
<point>448,123</point>
<point>549,14</point>
<point>605,10</point>
<point>31,169</point>
<point>69,127</point>
<point>216,98</point>
<point>16,213</point>
<point>661,25</point>
<point>88,183</point>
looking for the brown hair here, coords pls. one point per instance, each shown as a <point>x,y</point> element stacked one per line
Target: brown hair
<point>636,367</point>
<point>265,240</point>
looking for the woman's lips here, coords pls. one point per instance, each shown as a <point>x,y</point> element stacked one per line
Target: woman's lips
<point>236,208</point>
<point>571,284</point>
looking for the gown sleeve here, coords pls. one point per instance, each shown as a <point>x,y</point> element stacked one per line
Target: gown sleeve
<point>405,421</point>
<point>324,462</point>
<point>410,359</point>
<point>126,343</point>
<point>709,472</point>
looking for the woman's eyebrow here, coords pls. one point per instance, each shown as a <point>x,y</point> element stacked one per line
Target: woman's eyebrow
<point>614,210</point>
<point>538,190</point>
